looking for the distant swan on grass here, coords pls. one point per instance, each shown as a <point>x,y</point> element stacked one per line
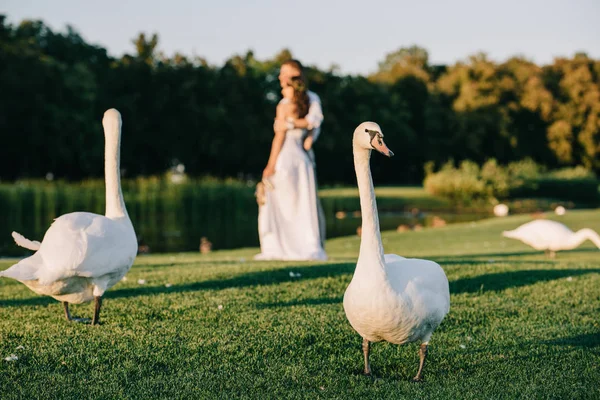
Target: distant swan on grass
<point>390,297</point>
<point>551,236</point>
<point>83,254</point>
<point>501,210</point>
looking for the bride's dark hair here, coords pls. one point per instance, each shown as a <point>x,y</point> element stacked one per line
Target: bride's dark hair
<point>300,95</point>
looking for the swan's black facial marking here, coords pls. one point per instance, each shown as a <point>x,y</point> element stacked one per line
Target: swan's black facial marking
<point>375,134</point>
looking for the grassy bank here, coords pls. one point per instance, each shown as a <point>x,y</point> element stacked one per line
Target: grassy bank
<point>222,326</point>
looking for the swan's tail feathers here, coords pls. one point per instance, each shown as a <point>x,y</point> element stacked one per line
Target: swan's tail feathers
<point>22,241</point>
<point>24,270</point>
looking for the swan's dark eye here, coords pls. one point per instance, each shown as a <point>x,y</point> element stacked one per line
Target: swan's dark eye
<point>374,135</point>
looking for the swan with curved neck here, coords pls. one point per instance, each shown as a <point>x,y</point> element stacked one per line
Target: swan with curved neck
<point>390,298</point>
<point>551,236</point>
<point>83,254</point>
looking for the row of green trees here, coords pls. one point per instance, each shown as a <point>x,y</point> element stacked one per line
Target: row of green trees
<point>216,120</point>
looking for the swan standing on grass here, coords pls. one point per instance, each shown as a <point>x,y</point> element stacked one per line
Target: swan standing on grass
<point>83,254</point>
<point>390,298</point>
<point>551,236</point>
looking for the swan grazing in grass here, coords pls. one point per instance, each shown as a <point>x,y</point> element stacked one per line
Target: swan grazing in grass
<point>551,236</point>
<point>83,254</point>
<point>390,298</point>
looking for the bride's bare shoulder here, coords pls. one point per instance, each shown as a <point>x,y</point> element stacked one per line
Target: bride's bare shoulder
<point>285,109</point>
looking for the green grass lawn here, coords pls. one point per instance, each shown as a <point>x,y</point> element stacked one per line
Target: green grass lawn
<point>520,326</point>
<point>416,193</point>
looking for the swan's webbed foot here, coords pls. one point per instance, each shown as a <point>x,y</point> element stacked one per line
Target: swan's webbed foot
<point>97,305</point>
<point>422,355</point>
<point>366,347</point>
<point>74,319</point>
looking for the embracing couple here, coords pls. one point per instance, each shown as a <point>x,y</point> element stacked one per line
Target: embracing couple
<point>291,224</point>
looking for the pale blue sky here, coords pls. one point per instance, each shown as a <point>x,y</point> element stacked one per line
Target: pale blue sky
<point>356,35</point>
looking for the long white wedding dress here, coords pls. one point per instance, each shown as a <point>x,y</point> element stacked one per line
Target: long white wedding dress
<point>288,223</point>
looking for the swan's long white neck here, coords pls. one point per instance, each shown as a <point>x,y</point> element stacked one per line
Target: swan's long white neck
<point>586,234</point>
<point>115,205</point>
<point>371,249</point>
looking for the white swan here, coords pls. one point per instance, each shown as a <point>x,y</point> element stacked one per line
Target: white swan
<point>560,210</point>
<point>501,210</point>
<point>83,254</point>
<point>551,236</point>
<point>390,298</point>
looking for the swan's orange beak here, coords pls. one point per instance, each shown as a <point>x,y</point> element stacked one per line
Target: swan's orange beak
<point>379,145</point>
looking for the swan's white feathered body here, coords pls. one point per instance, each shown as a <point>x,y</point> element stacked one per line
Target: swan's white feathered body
<point>83,254</point>
<point>403,304</point>
<point>390,297</point>
<point>550,235</point>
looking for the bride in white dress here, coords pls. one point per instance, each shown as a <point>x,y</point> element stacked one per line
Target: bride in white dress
<point>288,222</point>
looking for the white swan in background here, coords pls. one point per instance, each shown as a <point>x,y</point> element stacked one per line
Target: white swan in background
<point>551,236</point>
<point>390,298</point>
<point>83,254</point>
<point>560,210</point>
<point>500,210</point>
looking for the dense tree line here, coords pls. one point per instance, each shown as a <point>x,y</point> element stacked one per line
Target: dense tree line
<point>54,88</point>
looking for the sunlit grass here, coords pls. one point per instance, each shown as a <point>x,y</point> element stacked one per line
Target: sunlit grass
<point>520,326</point>
<point>394,197</point>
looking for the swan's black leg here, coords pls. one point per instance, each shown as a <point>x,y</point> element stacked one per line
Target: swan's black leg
<point>422,356</point>
<point>97,305</point>
<point>366,346</point>
<point>67,313</point>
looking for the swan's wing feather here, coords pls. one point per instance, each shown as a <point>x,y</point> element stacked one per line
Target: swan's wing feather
<point>64,246</point>
<point>110,247</point>
<point>390,258</point>
<point>82,244</point>
<point>24,270</point>
<point>423,277</point>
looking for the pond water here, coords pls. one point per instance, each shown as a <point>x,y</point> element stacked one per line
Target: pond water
<point>170,219</point>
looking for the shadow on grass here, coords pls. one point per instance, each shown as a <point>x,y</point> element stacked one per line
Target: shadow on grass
<point>482,283</point>
<point>306,302</point>
<point>269,277</point>
<point>588,340</point>
<point>443,262</point>
<point>459,257</point>
<point>172,264</point>
<point>505,280</point>
<point>31,301</point>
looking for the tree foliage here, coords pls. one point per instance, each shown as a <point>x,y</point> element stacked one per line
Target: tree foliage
<point>217,120</point>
